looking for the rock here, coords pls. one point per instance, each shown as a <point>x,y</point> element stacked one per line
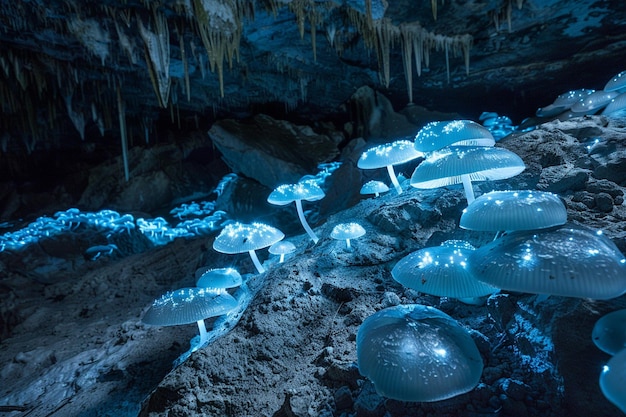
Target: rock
<point>270,151</point>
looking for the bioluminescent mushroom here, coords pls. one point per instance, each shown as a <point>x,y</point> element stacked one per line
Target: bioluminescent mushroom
<point>222,278</point>
<point>282,248</point>
<point>592,103</point>
<point>563,102</point>
<point>617,106</point>
<point>609,332</point>
<point>417,353</point>
<point>388,155</point>
<point>374,187</point>
<point>189,305</point>
<point>437,135</point>
<point>613,380</point>
<point>442,271</point>
<point>617,83</point>
<point>304,190</point>
<point>464,164</point>
<point>239,238</point>
<point>514,210</point>
<point>569,261</point>
<point>347,231</point>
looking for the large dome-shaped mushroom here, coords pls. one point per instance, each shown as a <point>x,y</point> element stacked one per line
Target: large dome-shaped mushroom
<point>417,353</point>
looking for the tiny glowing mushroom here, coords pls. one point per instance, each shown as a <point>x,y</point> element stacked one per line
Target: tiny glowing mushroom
<point>282,248</point>
<point>417,353</point>
<point>464,164</point>
<point>222,278</point>
<point>347,231</point>
<point>374,187</point>
<point>442,271</point>
<point>570,261</point>
<point>388,155</point>
<point>613,380</point>
<point>189,305</point>
<point>437,135</point>
<point>498,211</point>
<point>609,332</point>
<point>239,238</point>
<point>304,190</point>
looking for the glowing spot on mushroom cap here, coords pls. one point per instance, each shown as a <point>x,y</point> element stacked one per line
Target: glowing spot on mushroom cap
<point>570,261</point>
<point>417,353</point>
<point>439,134</point>
<point>240,237</point>
<point>394,153</point>
<point>613,380</point>
<point>347,231</point>
<point>514,210</point>
<point>609,332</point>
<point>188,305</point>
<point>442,271</point>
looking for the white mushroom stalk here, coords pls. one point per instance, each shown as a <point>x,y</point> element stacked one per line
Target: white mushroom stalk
<point>303,190</point>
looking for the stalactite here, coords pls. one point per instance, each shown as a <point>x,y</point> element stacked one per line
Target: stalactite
<point>183,55</point>
<point>126,43</point>
<point>407,37</point>
<point>121,111</point>
<point>387,35</point>
<point>220,32</point>
<point>157,51</point>
<point>77,117</point>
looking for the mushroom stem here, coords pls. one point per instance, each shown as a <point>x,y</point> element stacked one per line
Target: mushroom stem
<point>282,258</point>
<point>469,190</point>
<point>348,243</point>
<point>204,336</point>
<point>394,179</point>
<point>304,222</point>
<point>256,262</point>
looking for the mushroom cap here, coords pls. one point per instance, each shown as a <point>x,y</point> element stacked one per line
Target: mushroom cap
<point>613,380</point>
<point>373,187</point>
<point>570,261</point>
<point>188,305</point>
<point>609,332</point>
<point>282,247</point>
<point>445,167</point>
<point>417,353</point>
<point>568,99</point>
<point>593,102</point>
<point>436,135</point>
<point>347,231</point>
<point>617,106</point>
<point>442,271</point>
<point>563,102</point>
<point>288,193</point>
<point>218,278</point>
<point>514,210</point>
<point>239,237</point>
<point>616,83</point>
<point>393,153</point>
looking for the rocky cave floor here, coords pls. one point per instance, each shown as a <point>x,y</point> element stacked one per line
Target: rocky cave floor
<point>73,343</point>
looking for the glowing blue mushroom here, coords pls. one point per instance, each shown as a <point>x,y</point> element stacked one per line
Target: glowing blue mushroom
<point>417,353</point>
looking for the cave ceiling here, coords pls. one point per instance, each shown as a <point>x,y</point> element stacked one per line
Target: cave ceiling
<point>88,68</point>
